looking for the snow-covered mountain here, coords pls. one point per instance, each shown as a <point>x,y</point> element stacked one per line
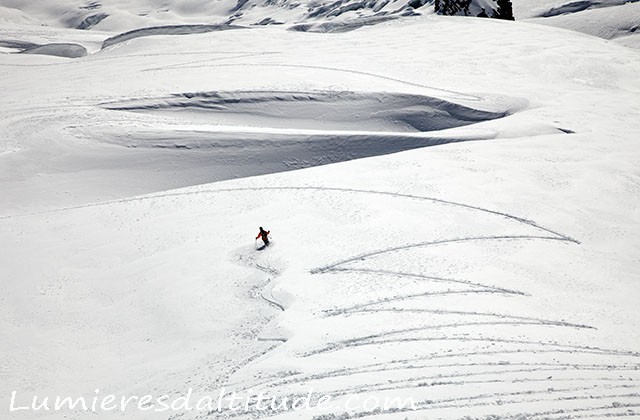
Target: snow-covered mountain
<point>453,204</point>
<point>121,15</point>
<point>609,19</point>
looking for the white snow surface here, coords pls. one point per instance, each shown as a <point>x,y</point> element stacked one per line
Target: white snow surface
<point>492,275</point>
<point>616,20</point>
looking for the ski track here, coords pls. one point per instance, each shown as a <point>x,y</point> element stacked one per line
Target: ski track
<point>395,374</point>
<point>265,293</point>
<point>557,367</point>
<point>437,380</point>
<point>361,257</point>
<point>506,358</point>
<point>458,95</point>
<point>597,350</point>
<point>370,338</point>
<point>517,398</point>
<point>483,287</point>
<point>187,63</point>
<point>192,65</point>
<point>362,307</point>
<point>96,58</point>
<point>540,321</point>
<point>308,188</point>
<point>455,403</point>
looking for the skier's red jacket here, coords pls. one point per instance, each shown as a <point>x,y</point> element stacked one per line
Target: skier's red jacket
<point>261,233</point>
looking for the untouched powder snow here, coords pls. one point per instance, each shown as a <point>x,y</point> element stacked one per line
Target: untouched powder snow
<point>493,278</point>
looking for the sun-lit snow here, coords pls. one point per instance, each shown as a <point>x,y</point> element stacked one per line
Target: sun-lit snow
<point>494,274</point>
<point>616,20</point>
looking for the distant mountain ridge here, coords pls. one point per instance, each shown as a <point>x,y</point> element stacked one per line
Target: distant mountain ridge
<point>119,15</point>
<point>609,19</point>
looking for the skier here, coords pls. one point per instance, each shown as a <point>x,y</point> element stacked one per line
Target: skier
<point>265,236</point>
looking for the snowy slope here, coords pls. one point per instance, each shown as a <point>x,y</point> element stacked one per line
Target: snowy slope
<point>618,20</point>
<point>489,277</point>
<point>616,23</point>
<point>119,15</point>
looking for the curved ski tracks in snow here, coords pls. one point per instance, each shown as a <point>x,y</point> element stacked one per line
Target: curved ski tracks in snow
<point>534,371</point>
<point>311,188</point>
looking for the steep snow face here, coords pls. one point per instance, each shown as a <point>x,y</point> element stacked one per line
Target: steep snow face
<point>526,9</point>
<point>315,110</point>
<point>618,20</point>
<point>619,23</point>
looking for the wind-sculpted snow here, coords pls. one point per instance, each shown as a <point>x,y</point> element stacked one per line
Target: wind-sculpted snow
<point>59,49</point>
<point>608,19</point>
<point>18,45</point>
<point>320,109</point>
<point>579,6</point>
<point>166,30</point>
<point>573,7</point>
<point>92,20</point>
<point>296,129</point>
<point>343,26</point>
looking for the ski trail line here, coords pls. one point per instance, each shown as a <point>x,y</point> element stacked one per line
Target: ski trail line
<point>302,188</point>
<point>435,279</point>
<point>465,339</point>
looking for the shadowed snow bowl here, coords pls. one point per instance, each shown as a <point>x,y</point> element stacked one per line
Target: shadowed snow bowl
<point>246,133</point>
<point>320,110</point>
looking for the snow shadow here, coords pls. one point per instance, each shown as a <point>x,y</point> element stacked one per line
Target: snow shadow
<point>166,30</point>
<point>247,133</point>
<point>316,110</point>
<point>68,50</point>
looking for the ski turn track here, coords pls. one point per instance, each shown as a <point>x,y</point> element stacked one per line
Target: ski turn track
<point>443,356</point>
<point>407,341</point>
